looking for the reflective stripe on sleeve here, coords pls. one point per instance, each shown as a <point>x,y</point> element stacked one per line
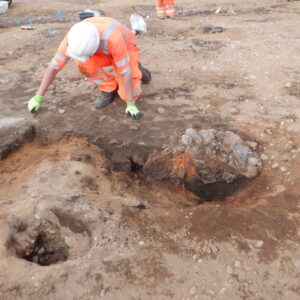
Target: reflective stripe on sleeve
<point>106,34</point>
<point>123,62</point>
<point>137,92</point>
<point>62,57</point>
<point>97,74</point>
<point>98,81</point>
<point>127,34</point>
<point>54,64</point>
<point>126,70</point>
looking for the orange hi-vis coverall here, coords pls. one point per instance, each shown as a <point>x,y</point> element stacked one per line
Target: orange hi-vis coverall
<point>165,8</point>
<point>117,48</point>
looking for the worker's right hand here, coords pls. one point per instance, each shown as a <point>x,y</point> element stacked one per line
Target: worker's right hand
<point>35,102</point>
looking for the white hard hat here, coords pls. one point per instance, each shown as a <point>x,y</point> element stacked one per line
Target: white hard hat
<point>83,41</point>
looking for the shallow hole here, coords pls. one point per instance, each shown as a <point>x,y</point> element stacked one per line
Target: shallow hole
<point>42,244</point>
<point>216,191</point>
<point>45,253</point>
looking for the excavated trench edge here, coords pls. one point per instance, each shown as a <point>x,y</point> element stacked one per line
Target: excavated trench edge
<point>202,192</point>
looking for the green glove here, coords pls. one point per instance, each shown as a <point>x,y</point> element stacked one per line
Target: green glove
<point>35,102</point>
<point>132,111</point>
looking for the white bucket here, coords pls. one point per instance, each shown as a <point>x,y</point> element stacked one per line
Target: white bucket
<point>3,7</point>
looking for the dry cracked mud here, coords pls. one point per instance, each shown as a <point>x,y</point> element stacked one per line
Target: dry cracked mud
<point>71,227</point>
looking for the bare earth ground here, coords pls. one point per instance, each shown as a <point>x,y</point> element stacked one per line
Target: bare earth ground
<point>122,236</point>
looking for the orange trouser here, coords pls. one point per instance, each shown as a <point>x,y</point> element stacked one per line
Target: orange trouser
<point>165,8</point>
<point>93,70</point>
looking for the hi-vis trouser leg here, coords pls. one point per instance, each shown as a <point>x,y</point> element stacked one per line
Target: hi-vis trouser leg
<point>160,8</point>
<point>93,70</point>
<point>165,8</point>
<point>169,8</point>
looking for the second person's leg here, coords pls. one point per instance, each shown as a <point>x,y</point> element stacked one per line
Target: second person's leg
<point>160,8</point>
<point>169,8</point>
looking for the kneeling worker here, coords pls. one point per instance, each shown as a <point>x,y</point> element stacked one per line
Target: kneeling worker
<point>95,43</point>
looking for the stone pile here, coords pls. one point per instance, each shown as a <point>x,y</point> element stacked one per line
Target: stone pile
<point>207,155</point>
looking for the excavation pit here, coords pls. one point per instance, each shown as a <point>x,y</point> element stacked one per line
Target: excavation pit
<point>210,164</point>
<point>41,243</point>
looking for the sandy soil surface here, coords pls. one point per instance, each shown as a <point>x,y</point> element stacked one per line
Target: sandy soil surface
<point>72,229</point>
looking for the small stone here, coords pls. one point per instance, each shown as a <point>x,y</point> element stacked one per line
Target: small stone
<point>288,84</point>
<point>102,293</point>
<point>237,264</point>
<point>113,141</point>
<point>194,257</point>
<point>252,161</point>
<point>283,169</point>
<point>5,81</point>
<point>102,118</point>
<point>41,251</point>
<point>269,131</point>
<point>35,259</point>
<point>223,290</point>
<point>252,145</point>
<point>259,244</point>
<point>38,216</point>
<point>199,261</point>
<point>34,195</point>
<point>297,263</point>
<point>231,138</point>
<point>67,241</point>
<point>214,249</point>
<point>141,243</point>
<point>186,140</point>
<point>208,135</point>
<point>104,171</point>
<point>275,166</point>
<point>161,110</point>
<point>61,111</point>
<point>264,157</point>
<point>193,291</point>
<point>229,269</point>
<point>194,135</point>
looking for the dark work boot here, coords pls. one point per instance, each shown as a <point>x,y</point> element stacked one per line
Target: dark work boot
<point>146,75</point>
<point>105,99</point>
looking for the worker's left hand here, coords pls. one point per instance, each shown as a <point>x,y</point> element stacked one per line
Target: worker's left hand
<point>132,111</point>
